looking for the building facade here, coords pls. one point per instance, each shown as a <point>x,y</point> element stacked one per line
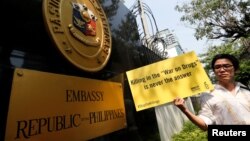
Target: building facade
<point>26,43</point>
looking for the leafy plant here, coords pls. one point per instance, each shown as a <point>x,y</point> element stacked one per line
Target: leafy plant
<point>190,132</point>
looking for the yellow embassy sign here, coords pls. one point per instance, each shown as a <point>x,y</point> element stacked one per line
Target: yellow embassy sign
<point>162,82</point>
<point>46,106</point>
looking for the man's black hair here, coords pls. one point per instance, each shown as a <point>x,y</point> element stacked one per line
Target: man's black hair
<point>230,57</point>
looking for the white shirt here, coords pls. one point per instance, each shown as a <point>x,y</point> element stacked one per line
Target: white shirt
<point>222,107</point>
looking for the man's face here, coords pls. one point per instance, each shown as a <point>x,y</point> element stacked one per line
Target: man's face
<point>224,70</point>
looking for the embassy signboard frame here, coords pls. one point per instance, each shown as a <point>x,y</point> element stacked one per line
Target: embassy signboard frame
<point>46,106</point>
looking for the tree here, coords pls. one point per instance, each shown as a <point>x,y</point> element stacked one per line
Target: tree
<point>243,75</point>
<point>228,20</point>
<point>218,19</point>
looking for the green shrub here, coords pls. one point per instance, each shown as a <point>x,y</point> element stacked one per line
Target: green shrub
<point>190,132</point>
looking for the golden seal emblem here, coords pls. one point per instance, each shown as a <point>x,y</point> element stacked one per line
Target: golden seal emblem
<point>80,30</point>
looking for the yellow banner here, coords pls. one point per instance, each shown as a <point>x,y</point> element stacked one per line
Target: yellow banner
<point>45,106</point>
<point>162,82</point>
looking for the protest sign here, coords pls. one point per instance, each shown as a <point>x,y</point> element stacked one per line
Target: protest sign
<point>163,81</point>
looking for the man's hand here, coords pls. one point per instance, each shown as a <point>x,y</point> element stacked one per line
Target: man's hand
<point>180,103</point>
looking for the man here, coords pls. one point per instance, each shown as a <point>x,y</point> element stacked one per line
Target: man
<point>228,103</point>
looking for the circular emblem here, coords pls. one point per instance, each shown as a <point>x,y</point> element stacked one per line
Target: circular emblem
<point>80,30</point>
